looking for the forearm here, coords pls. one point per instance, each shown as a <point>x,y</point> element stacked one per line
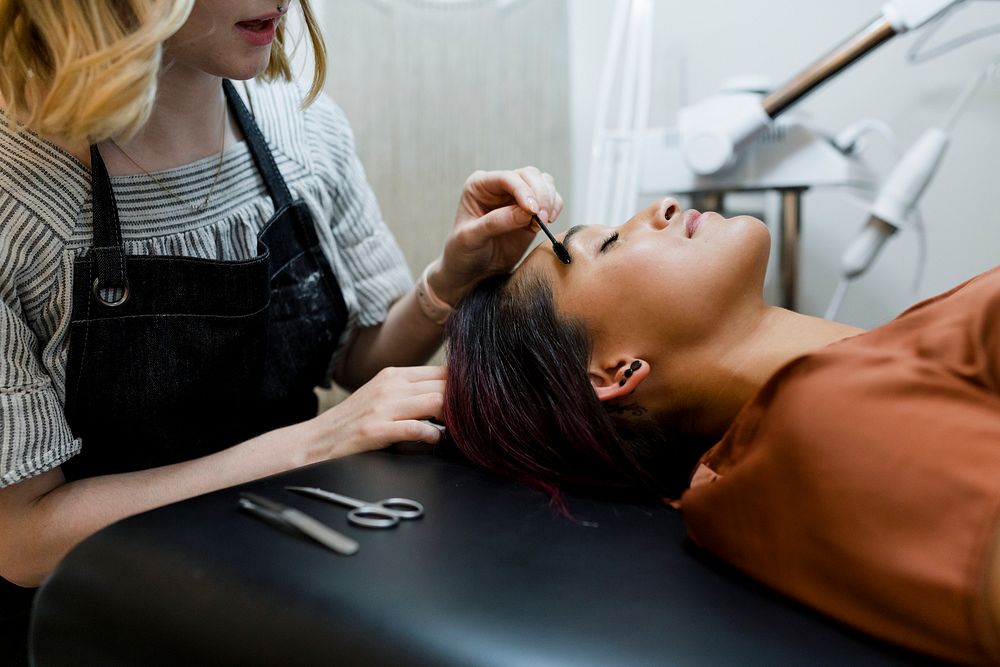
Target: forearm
<point>66,513</point>
<point>493,229</point>
<point>407,337</point>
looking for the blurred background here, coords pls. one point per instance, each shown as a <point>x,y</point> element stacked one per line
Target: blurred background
<point>438,88</point>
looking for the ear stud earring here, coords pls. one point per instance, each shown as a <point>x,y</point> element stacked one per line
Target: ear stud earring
<point>281,7</point>
<point>633,367</point>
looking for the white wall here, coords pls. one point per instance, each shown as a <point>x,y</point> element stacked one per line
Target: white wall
<point>720,39</point>
<point>436,90</point>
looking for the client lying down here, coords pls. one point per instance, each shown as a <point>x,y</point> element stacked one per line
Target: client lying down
<point>856,471</point>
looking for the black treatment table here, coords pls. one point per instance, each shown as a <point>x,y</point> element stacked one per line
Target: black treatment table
<point>490,576</point>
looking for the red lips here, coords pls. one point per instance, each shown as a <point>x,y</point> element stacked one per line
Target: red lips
<point>690,221</point>
<point>259,31</point>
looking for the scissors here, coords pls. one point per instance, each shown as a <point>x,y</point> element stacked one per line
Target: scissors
<point>379,514</point>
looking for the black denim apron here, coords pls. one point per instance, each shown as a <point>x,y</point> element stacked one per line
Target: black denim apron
<point>201,354</point>
<point>172,358</point>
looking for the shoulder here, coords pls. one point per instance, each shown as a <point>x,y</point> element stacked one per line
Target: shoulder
<point>325,116</point>
<point>330,133</point>
<point>279,104</point>
<point>30,245</point>
<point>317,135</point>
<point>950,330</point>
<point>42,187</point>
<point>985,285</point>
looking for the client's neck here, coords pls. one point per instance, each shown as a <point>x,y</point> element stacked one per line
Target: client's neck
<point>750,355</point>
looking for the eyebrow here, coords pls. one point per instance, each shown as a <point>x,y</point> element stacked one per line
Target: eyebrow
<point>573,231</point>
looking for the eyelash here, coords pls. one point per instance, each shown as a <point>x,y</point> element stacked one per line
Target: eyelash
<point>608,241</point>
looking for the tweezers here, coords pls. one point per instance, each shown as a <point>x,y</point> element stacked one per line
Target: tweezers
<point>273,512</point>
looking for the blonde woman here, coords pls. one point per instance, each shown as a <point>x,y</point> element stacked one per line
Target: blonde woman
<point>188,246</point>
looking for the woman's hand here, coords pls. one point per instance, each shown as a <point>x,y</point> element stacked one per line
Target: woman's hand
<point>385,410</point>
<point>493,227</point>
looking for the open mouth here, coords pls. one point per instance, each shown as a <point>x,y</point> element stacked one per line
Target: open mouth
<point>258,32</point>
<point>259,25</point>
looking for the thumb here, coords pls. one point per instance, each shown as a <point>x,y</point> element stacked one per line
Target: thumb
<point>501,221</point>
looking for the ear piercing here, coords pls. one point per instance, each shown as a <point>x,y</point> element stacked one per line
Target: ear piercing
<point>281,7</point>
<point>635,365</point>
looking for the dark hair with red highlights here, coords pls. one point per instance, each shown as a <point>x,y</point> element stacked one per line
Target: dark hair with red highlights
<point>519,401</point>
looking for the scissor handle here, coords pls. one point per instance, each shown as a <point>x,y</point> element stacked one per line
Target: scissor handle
<point>403,508</point>
<point>372,516</point>
<point>397,508</point>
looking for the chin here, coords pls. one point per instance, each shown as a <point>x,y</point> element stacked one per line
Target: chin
<point>759,247</point>
<point>247,70</point>
<point>753,232</point>
<point>748,247</point>
<point>240,64</point>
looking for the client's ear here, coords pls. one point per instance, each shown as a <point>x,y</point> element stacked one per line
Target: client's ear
<point>619,379</point>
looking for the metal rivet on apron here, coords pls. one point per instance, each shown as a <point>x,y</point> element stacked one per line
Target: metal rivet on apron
<point>110,304</point>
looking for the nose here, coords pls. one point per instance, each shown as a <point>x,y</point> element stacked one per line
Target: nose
<point>661,212</point>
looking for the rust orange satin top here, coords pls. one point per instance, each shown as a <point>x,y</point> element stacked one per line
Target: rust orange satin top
<point>864,479</point>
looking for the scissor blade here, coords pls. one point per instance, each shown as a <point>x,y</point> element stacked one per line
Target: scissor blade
<point>322,533</point>
<point>347,501</point>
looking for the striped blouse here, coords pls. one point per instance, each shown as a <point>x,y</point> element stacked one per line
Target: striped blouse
<point>45,224</point>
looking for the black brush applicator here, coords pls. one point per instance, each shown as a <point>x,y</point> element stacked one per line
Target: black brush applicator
<point>557,247</point>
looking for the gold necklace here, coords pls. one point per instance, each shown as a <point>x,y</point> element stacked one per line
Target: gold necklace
<point>162,185</point>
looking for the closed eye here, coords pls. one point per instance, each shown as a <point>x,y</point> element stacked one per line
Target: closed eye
<point>608,242</point>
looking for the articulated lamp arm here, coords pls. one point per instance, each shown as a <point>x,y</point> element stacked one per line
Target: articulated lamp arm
<point>713,130</point>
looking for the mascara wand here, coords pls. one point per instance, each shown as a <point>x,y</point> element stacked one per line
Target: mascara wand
<point>557,247</point>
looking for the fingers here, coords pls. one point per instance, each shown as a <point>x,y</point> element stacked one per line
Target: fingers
<point>428,387</point>
<point>416,431</point>
<point>543,185</point>
<point>414,373</point>
<point>497,222</point>
<point>407,421</point>
<point>543,189</point>
<point>530,188</point>
<point>409,430</point>
<point>495,188</point>
<point>387,409</point>
<point>425,406</point>
<point>412,392</point>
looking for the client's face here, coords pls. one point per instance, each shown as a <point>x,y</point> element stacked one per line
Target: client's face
<point>667,276</point>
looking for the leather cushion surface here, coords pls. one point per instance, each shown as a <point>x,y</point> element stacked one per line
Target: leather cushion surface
<point>491,575</point>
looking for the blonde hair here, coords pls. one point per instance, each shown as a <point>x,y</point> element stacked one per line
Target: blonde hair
<point>86,70</point>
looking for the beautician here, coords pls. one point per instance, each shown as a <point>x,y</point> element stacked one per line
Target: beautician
<point>185,253</point>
